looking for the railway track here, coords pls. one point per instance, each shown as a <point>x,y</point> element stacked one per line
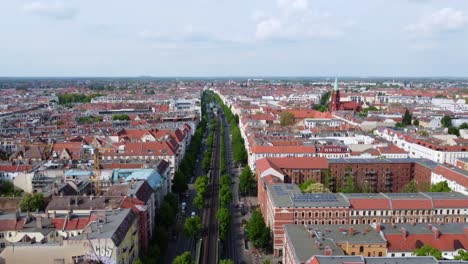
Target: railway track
<point>210,240</point>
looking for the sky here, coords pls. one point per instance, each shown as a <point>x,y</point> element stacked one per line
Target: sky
<point>234,38</point>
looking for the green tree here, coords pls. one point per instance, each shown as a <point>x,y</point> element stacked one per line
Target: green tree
<point>406,121</point>
<point>201,184</point>
<point>192,226</point>
<point>7,188</point>
<point>464,126</point>
<point>225,180</point>
<point>325,98</point>
<point>120,117</point>
<point>286,118</point>
<point>423,133</point>
<point>179,183</point>
<point>199,201</point>
<point>350,186</point>
<point>224,219</point>
<point>446,121</point>
<point>454,131</point>
<point>416,122</point>
<point>266,261</point>
<point>321,108</point>
<point>462,255</point>
<point>226,261</point>
<point>32,202</point>
<point>427,250</point>
<point>440,187</point>
<point>258,232</point>
<point>410,187</point>
<point>303,186</point>
<point>184,258</point>
<point>225,195</point>
<point>167,214</point>
<point>247,182</point>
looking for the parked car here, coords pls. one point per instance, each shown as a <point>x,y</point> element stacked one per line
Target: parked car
<point>193,214</point>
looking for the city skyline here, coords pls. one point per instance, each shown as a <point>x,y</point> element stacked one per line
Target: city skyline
<point>420,38</point>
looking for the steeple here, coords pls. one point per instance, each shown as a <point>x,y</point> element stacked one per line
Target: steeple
<point>335,86</point>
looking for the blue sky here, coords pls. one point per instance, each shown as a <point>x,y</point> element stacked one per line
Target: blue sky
<point>234,38</point>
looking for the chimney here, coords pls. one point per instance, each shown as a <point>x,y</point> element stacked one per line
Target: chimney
<point>404,232</point>
<point>351,231</point>
<point>378,228</point>
<point>328,251</point>
<point>39,222</point>
<point>436,232</point>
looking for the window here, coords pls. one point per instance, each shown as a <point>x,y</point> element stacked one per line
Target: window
<point>380,253</point>
<point>2,245</point>
<point>2,235</point>
<point>361,249</point>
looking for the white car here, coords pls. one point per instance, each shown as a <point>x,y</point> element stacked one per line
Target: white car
<point>193,214</point>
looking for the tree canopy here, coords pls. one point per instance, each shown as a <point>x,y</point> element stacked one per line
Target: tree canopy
<point>462,255</point>
<point>440,187</point>
<point>258,232</point>
<point>407,117</point>
<point>32,202</point>
<point>120,117</point>
<point>427,250</point>
<point>247,182</point>
<point>286,118</point>
<point>192,226</point>
<point>184,258</point>
<point>446,121</point>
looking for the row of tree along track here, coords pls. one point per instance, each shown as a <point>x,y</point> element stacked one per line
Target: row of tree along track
<point>210,223</point>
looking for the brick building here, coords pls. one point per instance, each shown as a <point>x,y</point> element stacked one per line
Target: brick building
<point>303,242</point>
<point>283,204</point>
<point>374,175</point>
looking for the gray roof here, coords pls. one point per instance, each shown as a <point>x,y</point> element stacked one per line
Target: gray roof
<point>303,245</point>
<point>341,233</point>
<point>375,260</point>
<point>339,259</point>
<point>446,195</point>
<point>401,260</point>
<point>452,228</point>
<point>115,227</point>
<point>289,195</point>
<point>424,162</point>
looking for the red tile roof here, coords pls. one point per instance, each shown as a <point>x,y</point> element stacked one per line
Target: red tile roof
<point>15,168</point>
<point>452,175</point>
<point>284,149</point>
<point>446,242</point>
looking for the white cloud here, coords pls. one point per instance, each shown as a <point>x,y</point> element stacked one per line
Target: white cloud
<point>268,28</point>
<point>291,6</point>
<point>52,9</point>
<point>443,20</point>
<point>296,20</point>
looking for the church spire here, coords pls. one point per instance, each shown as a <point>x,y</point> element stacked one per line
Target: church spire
<point>335,86</point>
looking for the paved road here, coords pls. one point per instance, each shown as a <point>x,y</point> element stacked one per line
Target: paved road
<point>183,243</point>
<point>235,245</point>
